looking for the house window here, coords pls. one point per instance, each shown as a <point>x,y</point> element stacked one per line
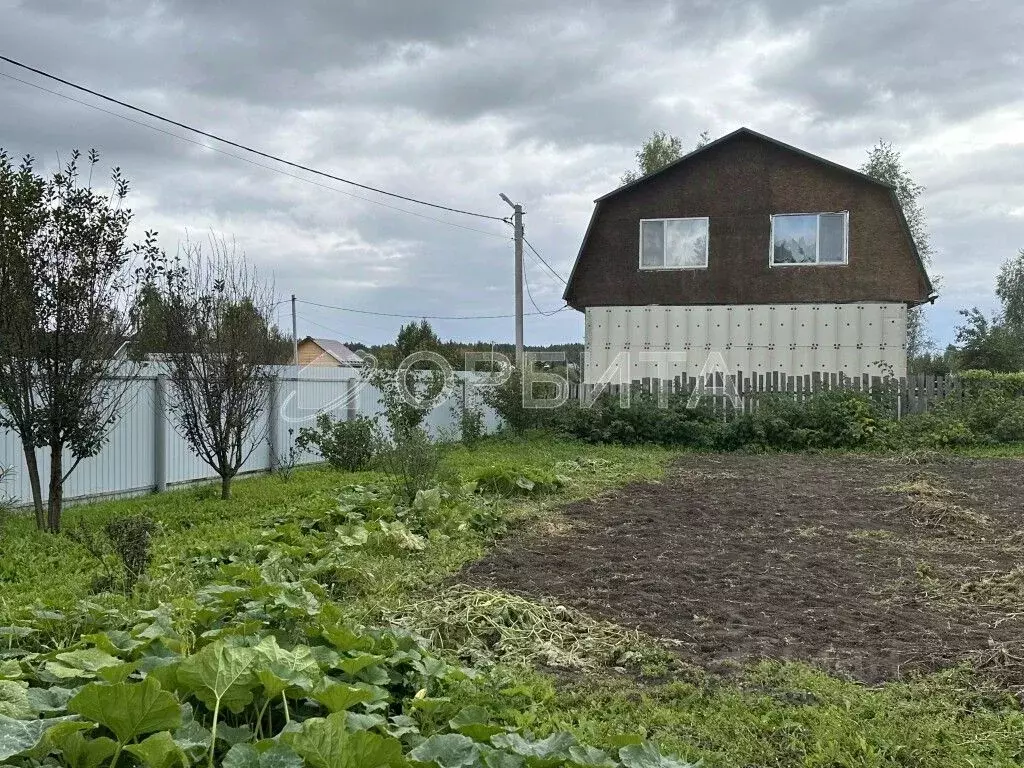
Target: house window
<point>809,238</point>
<point>673,243</point>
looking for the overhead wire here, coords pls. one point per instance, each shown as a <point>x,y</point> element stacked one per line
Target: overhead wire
<point>243,147</point>
<point>414,316</point>
<point>542,261</point>
<point>252,162</point>
<point>526,281</point>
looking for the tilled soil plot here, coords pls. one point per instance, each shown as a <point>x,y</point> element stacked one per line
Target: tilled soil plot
<point>866,565</point>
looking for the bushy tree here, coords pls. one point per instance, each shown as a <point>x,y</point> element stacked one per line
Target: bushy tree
<point>885,163</point>
<point>989,344</point>
<point>1010,290</point>
<point>659,150</point>
<point>220,341</point>
<point>67,287</point>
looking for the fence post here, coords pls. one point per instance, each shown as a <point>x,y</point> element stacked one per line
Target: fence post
<point>273,399</point>
<point>351,395</point>
<point>160,433</point>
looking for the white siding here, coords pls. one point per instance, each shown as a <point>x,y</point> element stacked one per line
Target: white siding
<point>794,339</point>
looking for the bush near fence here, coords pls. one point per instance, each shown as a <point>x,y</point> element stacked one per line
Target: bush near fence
<point>981,408</point>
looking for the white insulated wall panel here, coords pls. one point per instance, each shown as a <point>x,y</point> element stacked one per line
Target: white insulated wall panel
<point>794,339</point>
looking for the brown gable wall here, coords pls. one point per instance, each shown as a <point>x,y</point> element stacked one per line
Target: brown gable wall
<point>739,184</point>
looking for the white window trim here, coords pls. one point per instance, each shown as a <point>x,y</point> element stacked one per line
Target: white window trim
<point>707,244</point>
<point>846,241</point>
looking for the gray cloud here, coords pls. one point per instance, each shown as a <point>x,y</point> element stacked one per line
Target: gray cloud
<point>547,102</point>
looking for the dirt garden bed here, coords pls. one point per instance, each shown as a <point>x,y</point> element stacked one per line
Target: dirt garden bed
<point>871,566</point>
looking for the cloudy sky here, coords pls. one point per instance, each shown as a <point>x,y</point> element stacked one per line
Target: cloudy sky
<point>458,100</point>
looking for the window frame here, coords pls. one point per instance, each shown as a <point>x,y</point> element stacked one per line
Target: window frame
<point>663,268</point>
<point>817,250</point>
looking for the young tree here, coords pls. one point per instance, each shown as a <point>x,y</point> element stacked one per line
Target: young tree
<point>67,287</point>
<point>659,150</point>
<point>1010,290</point>
<point>220,343</point>
<point>23,200</point>
<point>885,163</point>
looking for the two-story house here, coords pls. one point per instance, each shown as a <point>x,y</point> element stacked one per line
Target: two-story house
<point>775,258</point>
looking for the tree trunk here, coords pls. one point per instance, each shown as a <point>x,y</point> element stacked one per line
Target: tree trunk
<point>225,487</point>
<point>32,466</point>
<point>56,501</point>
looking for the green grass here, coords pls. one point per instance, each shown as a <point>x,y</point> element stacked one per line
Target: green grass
<point>773,715</point>
<point>56,571</point>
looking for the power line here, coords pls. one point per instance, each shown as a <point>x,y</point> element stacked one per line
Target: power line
<point>550,269</point>
<point>526,281</point>
<point>243,147</point>
<point>417,317</point>
<point>251,161</point>
<point>338,332</point>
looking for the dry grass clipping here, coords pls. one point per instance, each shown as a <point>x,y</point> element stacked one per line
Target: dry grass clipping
<point>929,504</point>
<point>919,457</point>
<point>1005,589</point>
<point>484,625</point>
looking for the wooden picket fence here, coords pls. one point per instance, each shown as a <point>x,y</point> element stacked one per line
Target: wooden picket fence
<point>912,394</point>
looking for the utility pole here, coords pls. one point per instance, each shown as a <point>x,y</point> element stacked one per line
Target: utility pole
<point>295,338</point>
<point>517,222</point>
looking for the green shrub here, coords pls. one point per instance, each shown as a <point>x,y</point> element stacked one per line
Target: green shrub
<point>990,412</point>
<point>468,415</point>
<point>1008,384</point>
<point>507,401</point>
<point>412,463</point>
<point>1010,428</point>
<point>346,445</point>
<point>824,420</point>
<point>7,502</point>
<point>512,480</point>
<point>643,422</point>
<point>931,430</point>
<point>124,550</point>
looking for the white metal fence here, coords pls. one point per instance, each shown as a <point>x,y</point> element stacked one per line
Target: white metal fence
<point>145,453</point>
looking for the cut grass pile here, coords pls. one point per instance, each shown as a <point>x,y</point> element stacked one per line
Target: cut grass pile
<point>483,626</point>
<point>930,504</point>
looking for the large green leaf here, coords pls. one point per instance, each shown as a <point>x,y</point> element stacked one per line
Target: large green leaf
<point>338,697</point>
<point>355,664</point>
<point>448,750</point>
<point>14,699</point>
<point>220,675</point>
<point>241,756</point>
<point>473,722</point>
<point>81,752</point>
<point>327,743</point>
<point>555,746</point>
<point>248,756</point>
<point>116,642</point>
<point>192,736</point>
<point>17,736</point>
<point>49,701</point>
<point>129,710</point>
<point>10,670</point>
<point>647,755</point>
<point>85,662</point>
<point>280,670</point>
<point>159,751</point>
<point>591,757</point>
